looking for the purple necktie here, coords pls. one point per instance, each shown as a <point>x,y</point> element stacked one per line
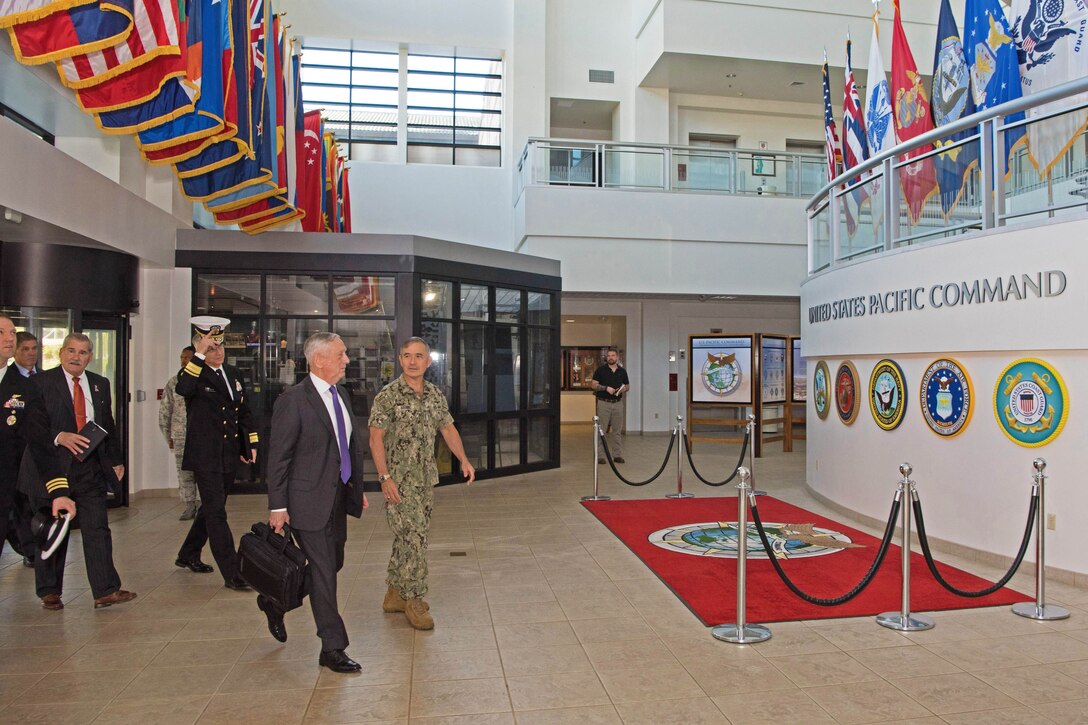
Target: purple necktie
<point>341,436</point>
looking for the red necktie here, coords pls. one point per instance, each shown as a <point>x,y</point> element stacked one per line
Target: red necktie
<point>79,403</point>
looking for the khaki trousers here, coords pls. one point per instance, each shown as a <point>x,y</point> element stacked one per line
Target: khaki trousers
<point>611,421</point>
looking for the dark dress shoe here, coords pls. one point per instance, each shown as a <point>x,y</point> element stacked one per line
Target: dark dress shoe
<point>238,584</point>
<point>619,459</point>
<point>276,626</point>
<point>118,597</point>
<point>337,660</point>
<point>195,566</point>
<point>52,602</point>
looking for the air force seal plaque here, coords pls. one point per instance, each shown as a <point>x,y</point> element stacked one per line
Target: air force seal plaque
<point>946,397</point>
<point>887,394</point>
<point>846,392</point>
<point>1031,402</point>
<point>821,390</point>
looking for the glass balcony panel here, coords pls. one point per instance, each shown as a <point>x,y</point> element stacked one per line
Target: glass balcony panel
<point>703,170</point>
<point>634,167</point>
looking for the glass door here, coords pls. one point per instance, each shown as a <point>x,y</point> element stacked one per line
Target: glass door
<point>109,336</point>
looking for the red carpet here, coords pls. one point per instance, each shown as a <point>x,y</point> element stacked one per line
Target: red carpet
<point>707,583</point>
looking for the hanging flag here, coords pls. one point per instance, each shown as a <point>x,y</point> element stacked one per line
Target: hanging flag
<point>951,101</point>
<point>879,127</point>
<point>310,172</point>
<point>75,30</point>
<point>132,72</point>
<point>175,98</point>
<point>831,137</point>
<point>13,12</point>
<point>345,194</point>
<point>155,34</point>
<point>1051,49</point>
<point>208,38</point>
<point>912,118</point>
<point>855,146</point>
<point>991,57</point>
<point>277,89</point>
<point>293,126</point>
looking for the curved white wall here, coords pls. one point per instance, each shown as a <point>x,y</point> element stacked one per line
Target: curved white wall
<point>975,486</point>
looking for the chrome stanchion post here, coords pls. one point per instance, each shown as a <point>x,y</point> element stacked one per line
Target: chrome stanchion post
<point>679,463</point>
<point>1039,609</point>
<point>752,452</point>
<point>741,632</point>
<point>903,620</point>
<point>596,469</point>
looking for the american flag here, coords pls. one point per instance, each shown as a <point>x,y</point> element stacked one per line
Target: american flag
<point>831,137</point>
<point>154,33</point>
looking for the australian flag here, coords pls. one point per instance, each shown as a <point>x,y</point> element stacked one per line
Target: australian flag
<point>952,101</point>
<point>991,56</point>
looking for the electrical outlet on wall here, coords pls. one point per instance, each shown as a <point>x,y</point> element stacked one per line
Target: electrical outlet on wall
<point>1052,522</point>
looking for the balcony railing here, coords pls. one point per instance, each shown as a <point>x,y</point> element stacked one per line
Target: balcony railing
<point>659,167</point>
<point>849,217</point>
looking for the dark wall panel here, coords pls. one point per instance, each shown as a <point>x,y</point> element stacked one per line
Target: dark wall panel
<point>54,275</point>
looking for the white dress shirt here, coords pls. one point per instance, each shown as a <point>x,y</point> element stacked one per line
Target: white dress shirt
<point>323,389</point>
<point>216,369</point>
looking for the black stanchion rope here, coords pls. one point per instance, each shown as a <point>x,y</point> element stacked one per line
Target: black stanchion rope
<point>865,580</point>
<point>924,543</point>
<point>651,479</point>
<point>743,451</point>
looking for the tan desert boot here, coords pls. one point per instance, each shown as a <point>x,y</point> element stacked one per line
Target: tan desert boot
<point>394,602</point>
<point>417,614</point>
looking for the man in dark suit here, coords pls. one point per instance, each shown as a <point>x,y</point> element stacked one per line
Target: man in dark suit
<point>60,402</point>
<point>13,399</point>
<point>315,478</point>
<point>220,433</point>
<point>25,364</point>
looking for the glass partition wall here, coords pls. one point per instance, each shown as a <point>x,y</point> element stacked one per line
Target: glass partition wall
<point>492,351</point>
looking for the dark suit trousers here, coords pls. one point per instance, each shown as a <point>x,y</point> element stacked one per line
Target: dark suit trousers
<point>88,489</point>
<point>324,551</point>
<point>210,524</point>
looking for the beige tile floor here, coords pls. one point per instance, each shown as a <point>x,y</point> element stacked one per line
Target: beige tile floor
<point>547,618</point>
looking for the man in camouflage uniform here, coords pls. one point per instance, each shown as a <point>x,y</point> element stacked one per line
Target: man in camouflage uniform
<point>172,425</point>
<point>404,419</point>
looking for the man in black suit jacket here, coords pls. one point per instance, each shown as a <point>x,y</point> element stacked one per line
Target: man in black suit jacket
<point>13,399</point>
<point>59,403</point>
<point>315,478</point>
<point>220,433</point>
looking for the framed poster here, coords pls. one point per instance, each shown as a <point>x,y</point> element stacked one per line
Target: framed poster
<point>772,368</point>
<point>720,369</point>
<point>799,377</point>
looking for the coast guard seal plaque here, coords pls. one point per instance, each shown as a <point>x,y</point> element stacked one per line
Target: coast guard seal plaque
<point>821,390</point>
<point>946,397</point>
<point>1031,402</point>
<point>846,392</point>
<point>887,394</point>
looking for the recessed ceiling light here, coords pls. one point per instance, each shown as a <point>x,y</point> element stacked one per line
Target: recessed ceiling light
<point>568,320</point>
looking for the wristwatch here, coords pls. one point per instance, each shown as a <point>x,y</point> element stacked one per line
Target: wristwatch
<point>384,477</point>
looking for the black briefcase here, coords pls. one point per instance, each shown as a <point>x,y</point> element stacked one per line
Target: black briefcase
<point>274,565</point>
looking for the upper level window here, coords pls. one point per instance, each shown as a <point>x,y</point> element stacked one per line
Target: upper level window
<point>452,109</point>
